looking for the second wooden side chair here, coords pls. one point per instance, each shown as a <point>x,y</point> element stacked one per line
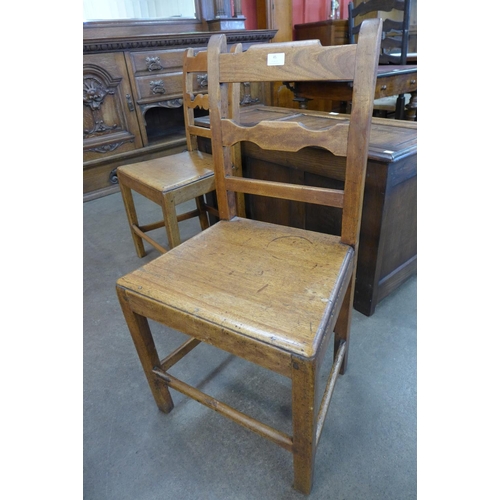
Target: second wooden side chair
<point>393,47</point>
<point>171,180</point>
<point>273,295</point>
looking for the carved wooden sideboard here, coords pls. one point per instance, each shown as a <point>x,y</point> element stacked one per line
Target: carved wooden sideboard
<point>132,97</point>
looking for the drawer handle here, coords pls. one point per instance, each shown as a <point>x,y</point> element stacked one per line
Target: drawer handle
<point>413,82</point>
<point>113,177</point>
<point>153,64</point>
<point>383,87</point>
<point>157,87</point>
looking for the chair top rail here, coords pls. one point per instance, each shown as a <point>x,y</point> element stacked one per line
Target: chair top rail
<point>373,5</point>
<point>196,63</point>
<point>389,25</point>
<point>294,62</point>
<point>392,25</point>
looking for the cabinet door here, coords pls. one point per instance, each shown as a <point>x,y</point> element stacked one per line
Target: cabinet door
<point>109,120</point>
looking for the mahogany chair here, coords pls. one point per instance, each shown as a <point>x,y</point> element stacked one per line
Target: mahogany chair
<point>393,47</point>
<point>171,180</point>
<point>274,295</point>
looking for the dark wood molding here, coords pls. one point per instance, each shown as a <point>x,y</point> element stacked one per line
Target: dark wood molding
<point>113,43</point>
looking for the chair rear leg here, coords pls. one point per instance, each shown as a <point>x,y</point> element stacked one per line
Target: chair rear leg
<point>304,406</point>
<point>343,326</point>
<point>171,223</point>
<point>200,204</point>
<point>148,355</point>
<point>130,210</point>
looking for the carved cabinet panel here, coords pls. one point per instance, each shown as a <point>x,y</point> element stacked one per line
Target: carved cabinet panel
<point>132,93</point>
<point>109,120</point>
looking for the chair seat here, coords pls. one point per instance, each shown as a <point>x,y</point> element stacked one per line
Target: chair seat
<point>170,172</point>
<point>269,283</point>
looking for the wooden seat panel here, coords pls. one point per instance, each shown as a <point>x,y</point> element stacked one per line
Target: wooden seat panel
<point>167,174</point>
<point>268,282</point>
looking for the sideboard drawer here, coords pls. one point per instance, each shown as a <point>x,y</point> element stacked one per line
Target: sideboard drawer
<point>157,61</point>
<point>158,87</point>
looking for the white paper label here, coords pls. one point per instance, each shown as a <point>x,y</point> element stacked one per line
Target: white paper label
<point>276,59</point>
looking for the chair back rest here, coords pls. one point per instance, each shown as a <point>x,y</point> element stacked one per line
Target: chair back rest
<point>287,62</point>
<point>395,33</point>
<point>195,95</point>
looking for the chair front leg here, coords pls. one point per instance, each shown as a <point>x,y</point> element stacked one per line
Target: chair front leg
<point>146,349</point>
<point>171,223</point>
<point>304,411</point>
<point>128,202</point>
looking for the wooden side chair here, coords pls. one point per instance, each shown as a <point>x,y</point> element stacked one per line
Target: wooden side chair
<point>276,296</point>
<point>393,47</point>
<point>171,180</point>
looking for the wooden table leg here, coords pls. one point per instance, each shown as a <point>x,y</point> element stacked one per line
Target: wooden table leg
<point>411,108</point>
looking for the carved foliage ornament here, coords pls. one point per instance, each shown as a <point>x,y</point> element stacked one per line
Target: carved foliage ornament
<point>107,148</point>
<point>94,92</point>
